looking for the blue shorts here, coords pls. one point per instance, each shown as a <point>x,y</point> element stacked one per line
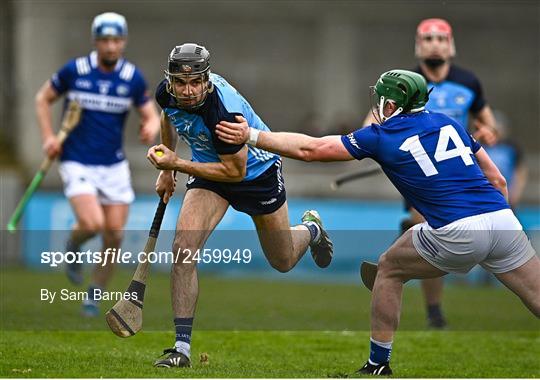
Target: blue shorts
<point>262,195</point>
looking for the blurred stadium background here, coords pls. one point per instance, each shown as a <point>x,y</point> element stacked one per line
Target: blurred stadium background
<point>303,65</point>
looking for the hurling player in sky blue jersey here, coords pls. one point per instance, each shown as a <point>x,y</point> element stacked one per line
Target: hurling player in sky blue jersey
<point>93,166</point>
<point>457,93</point>
<point>249,179</point>
<point>446,175</point>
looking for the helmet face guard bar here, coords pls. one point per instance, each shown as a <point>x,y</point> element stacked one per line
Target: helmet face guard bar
<point>406,89</point>
<point>183,101</point>
<point>186,63</point>
<point>377,106</point>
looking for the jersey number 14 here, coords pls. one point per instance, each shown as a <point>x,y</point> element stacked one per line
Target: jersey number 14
<point>446,133</point>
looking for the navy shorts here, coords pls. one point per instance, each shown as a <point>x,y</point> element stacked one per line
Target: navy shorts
<point>262,195</point>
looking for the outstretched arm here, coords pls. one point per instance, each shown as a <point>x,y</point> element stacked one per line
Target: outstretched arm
<point>293,145</point>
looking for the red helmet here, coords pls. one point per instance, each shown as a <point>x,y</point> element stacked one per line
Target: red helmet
<point>435,26</point>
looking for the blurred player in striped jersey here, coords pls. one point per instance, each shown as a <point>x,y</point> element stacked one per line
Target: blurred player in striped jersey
<point>457,93</point>
<point>93,165</point>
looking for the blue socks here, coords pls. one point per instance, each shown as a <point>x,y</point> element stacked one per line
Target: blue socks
<point>379,352</point>
<point>183,328</point>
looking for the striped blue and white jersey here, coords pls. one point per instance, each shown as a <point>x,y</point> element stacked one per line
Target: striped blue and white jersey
<point>197,127</point>
<point>106,98</point>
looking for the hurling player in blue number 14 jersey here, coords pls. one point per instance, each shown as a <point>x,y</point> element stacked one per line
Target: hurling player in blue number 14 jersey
<point>249,179</point>
<point>457,93</point>
<point>446,175</point>
<point>93,166</point>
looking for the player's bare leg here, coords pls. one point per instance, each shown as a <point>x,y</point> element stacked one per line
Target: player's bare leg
<point>115,217</point>
<point>432,288</point>
<point>525,283</point>
<point>433,291</point>
<point>396,266</point>
<point>201,212</point>
<point>90,221</point>
<point>282,244</point>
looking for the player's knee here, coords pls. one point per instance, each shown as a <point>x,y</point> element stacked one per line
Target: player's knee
<point>281,264</point>
<point>183,253</point>
<point>536,310</point>
<point>90,225</point>
<point>113,237</point>
<point>388,267</point>
<point>535,306</point>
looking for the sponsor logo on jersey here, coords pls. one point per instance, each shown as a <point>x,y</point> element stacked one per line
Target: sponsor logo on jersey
<point>122,89</point>
<point>460,99</point>
<point>83,84</point>
<point>352,140</point>
<point>104,86</point>
<point>201,136</point>
<point>103,103</point>
<point>441,101</point>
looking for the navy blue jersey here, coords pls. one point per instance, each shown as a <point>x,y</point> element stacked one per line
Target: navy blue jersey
<point>430,159</point>
<point>197,128</point>
<point>105,98</point>
<point>457,95</point>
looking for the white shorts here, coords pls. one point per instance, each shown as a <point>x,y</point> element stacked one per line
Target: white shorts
<point>494,240</point>
<point>111,183</point>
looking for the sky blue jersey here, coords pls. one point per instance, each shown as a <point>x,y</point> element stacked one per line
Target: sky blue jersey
<point>430,159</point>
<point>507,156</point>
<point>106,98</point>
<point>197,127</point>
<point>457,95</point>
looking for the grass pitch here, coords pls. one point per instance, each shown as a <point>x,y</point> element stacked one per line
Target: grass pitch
<point>263,328</point>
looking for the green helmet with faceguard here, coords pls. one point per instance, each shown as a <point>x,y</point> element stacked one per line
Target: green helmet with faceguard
<point>407,89</point>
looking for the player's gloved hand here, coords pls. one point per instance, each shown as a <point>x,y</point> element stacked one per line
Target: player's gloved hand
<point>162,157</point>
<point>486,135</point>
<point>51,146</point>
<point>166,184</point>
<point>233,133</point>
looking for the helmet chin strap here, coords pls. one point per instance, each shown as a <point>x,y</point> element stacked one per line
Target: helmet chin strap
<point>382,102</point>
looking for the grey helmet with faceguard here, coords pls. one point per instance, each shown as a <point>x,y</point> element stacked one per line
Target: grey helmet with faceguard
<point>186,62</point>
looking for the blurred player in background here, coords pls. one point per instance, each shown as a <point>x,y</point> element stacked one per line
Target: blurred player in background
<point>509,158</point>
<point>428,157</point>
<point>93,166</point>
<point>457,93</point>
<point>249,179</point>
